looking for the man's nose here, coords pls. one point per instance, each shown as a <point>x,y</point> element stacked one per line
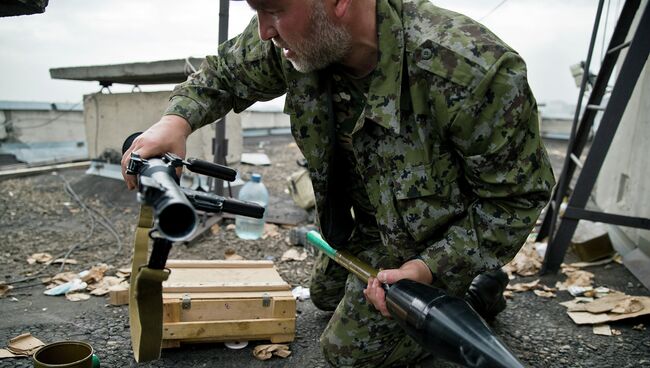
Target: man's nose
<point>266,27</point>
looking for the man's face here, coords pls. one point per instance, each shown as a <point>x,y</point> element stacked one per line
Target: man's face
<point>309,38</point>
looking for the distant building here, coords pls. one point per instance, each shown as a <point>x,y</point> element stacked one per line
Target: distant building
<point>41,132</point>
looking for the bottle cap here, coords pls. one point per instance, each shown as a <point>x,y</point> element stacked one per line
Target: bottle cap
<point>256,178</point>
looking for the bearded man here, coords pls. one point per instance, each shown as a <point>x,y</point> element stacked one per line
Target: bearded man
<point>421,137</point>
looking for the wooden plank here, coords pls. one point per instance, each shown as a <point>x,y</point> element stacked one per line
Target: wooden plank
<point>231,309</point>
<point>255,329</point>
<point>171,311</point>
<point>218,279</point>
<point>182,263</point>
<point>118,296</point>
<point>219,287</point>
<point>248,294</point>
<point>7,174</point>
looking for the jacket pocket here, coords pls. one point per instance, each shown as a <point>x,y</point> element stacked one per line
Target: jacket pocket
<point>427,198</point>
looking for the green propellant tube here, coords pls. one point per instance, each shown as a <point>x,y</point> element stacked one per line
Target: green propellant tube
<point>445,325</point>
<point>351,263</point>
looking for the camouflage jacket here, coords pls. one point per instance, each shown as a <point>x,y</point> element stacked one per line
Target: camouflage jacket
<point>449,145</point>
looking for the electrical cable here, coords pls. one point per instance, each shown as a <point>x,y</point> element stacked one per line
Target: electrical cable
<point>50,121</point>
<point>493,10</point>
<point>92,213</point>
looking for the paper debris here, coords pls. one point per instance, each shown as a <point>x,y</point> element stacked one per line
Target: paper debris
<point>293,255</point>
<point>63,277</point>
<point>639,327</point>
<point>231,227</point>
<point>77,297</point>
<point>579,290</point>
<point>39,258</point>
<point>230,255</point>
<point>271,231</point>
<point>24,344</point>
<point>601,310</point>
<point>264,352</point>
<point>4,289</point>
<point>526,263</point>
<point>300,293</point>
<point>95,274</point>
<point>215,229</point>
<point>630,305</point>
<point>603,330</point>
<point>507,294</point>
<point>575,277</point>
<point>123,272</point>
<point>4,353</point>
<point>544,294</point>
<point>67,261</point>
<point>104,287</point>
<point>255,159</point>
<point>523,286</point>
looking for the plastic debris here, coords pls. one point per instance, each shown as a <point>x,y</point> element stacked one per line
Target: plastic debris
<point>74,285</point>
<point>300,293</point>
<point>236,345</point>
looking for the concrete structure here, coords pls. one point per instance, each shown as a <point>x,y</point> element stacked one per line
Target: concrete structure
<point>41,132</point>
<point>623,185</point>
<point>110,118</point>
<point>29,122</point>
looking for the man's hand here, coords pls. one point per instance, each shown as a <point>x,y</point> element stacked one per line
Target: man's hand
<point>169,134</point>
<point>414,269</point>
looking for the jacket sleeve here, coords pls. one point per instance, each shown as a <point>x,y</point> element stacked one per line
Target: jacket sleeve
<point>247,70</point>
<point>505,174</point>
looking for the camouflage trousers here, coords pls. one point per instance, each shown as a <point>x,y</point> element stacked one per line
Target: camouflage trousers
<point>357,335</point>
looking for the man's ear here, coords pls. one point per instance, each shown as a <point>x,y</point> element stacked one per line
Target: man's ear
<point>341,7</point>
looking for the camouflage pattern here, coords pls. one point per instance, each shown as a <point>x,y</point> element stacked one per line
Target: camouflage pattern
<point>447,143</point>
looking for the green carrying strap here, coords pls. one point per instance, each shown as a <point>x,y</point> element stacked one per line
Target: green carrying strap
<point>145,295</point>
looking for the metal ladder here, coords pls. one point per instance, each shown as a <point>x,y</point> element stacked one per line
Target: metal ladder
<point>635,60</point>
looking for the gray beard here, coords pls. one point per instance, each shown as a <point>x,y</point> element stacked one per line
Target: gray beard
<point>326,44</point>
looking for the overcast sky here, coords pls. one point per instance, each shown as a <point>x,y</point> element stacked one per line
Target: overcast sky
<point>551,35</point>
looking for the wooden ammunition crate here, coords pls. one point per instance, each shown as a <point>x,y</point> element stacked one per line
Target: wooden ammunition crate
<point>211,301</point>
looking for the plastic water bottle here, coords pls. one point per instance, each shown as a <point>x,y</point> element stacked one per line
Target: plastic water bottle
<point>253,191</point>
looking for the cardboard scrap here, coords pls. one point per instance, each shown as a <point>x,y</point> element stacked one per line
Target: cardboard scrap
<point>24,345</point>
<point>293,255</point>
<point>229,254</point>
<point>95,274</point>
<point>603,330</point>
<point>264,352</point>
<point>4,353</point>
<point>526,263</point>
<point>4,289</point>
<point>575,277</point>
<point>77,297</point>
<point>271,231</point>
<point>66,261</point>
<point>102,288</point>
<point>539,289</point>
<point>544,294</point>
<point>603,310</point>
<point>39,258</point>
<point>124,273</point>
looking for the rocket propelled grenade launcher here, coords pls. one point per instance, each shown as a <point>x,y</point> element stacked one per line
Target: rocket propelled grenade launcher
<point>174,207</point>
<point>444,325</point>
